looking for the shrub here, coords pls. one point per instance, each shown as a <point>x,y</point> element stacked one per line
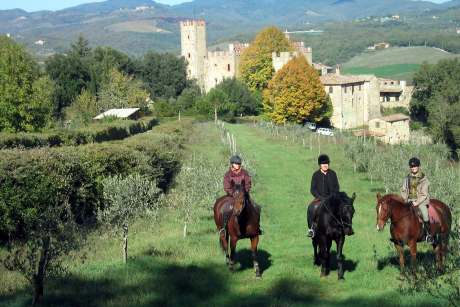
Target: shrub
<point>95,133</point>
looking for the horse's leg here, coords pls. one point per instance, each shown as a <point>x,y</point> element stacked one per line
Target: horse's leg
<point>340,242</point>
<point>254,243</point>
<point>233,240</point>
<point>328,260</point>
<point>323,255</point>
<point>413,253</point>
<point>315,252</point>
<point>400,250</point>
<point>224,243</point>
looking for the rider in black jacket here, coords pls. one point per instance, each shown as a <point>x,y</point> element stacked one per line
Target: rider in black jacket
<point>324,183</point>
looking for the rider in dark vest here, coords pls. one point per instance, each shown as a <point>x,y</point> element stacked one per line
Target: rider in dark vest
<point>324,183</point>
<point>415,192</point>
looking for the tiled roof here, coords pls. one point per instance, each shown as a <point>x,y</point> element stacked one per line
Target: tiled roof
<point>334,79</point>
<point>395,117</point>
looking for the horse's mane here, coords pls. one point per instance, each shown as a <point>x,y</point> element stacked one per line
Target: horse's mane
<point>393,199</point>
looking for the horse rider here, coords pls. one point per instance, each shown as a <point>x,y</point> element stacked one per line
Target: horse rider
<point>324,183</point>
<point>415,192</point>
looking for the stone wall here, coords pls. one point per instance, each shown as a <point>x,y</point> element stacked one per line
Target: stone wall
<point>219,65</point>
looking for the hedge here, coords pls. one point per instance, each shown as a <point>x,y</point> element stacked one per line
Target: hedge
<point>31,177</point>
<point>95,133</point>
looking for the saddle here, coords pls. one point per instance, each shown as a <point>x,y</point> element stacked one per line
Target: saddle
<point>433,215</point>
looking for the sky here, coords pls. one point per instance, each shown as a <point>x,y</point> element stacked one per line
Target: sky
<point>34,5</point>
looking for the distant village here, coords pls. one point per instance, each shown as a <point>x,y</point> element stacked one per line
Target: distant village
<point>357,99</point>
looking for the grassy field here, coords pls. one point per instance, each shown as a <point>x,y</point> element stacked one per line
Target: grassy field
<point>395,62</point>
<point>166,269</point>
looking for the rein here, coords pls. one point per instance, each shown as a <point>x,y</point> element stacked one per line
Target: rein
<point>391,222</point>
<point>341,222</point>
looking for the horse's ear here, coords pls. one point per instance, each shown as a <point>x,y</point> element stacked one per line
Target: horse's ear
<point>353,197</point>
<point>379,196</point>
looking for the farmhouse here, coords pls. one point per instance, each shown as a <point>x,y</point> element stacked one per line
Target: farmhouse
<point>355,99</point>
<point>395,93</point>
<point>392,129</point>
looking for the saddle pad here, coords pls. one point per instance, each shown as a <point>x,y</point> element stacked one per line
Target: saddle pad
<point>434,216</point>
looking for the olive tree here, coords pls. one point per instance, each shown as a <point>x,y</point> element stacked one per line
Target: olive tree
<point>126,199</point>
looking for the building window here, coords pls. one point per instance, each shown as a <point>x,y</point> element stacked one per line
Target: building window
<point>189,55</point>
<point>360,88</point>
<point>397,98</point>
<point>331,90</point>
<point>215,80</point>
<point>352,89</point>
<point>377,125</point>
<point>188,36</point>
<point>345,89</point>
<point>228,67</point>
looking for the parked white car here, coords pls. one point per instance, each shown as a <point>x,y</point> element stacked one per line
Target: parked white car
<point>325,131</point>
<point>311,126</point>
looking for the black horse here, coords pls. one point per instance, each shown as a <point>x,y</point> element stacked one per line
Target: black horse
<point>334,221</point>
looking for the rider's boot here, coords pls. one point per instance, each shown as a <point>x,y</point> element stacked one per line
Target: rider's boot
<point>427,228</point>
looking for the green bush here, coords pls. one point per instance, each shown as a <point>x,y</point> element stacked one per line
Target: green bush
<point>28,177</point>
<point>95,133</point>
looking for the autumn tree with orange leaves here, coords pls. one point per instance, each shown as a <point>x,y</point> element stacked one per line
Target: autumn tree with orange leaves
<point>295,94</point>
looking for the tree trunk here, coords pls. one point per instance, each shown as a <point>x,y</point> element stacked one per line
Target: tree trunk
<point>125,243</point>
<point>215,115</point>
<point>39,277</point>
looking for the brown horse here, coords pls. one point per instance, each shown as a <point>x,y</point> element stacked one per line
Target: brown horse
<point>242,223</point>
<point>406,226</point>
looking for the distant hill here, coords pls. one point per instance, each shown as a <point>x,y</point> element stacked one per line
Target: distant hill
<point>136,26</point>
<point>397,63</point>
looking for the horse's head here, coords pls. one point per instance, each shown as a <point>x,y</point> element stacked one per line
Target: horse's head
<point>239,196</point>
<point>347,211</point>
<point>383,209</point>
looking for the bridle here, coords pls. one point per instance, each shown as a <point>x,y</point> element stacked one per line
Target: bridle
<point>387,218</point>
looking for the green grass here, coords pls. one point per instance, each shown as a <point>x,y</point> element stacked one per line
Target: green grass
<point>396,71</point>
<point>165,269</point>
<point>396,62</point>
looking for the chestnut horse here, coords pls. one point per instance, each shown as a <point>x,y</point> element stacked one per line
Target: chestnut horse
<point>242,223</point>
<point>406,226</point>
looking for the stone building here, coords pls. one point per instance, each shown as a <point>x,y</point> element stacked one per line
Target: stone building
<point>355,99</point>
<point>395,93</point>
<point>210,68</point>
<point>392,129</point>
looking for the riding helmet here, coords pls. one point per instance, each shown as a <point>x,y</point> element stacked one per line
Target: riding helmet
<point>323,159</point>
<point>414,162</point>
<point>235,159</point>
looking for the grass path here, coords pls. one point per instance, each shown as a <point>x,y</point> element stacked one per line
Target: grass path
<point>165,269</point>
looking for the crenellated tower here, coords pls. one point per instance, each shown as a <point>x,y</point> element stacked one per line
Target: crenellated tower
<point>193,48</point>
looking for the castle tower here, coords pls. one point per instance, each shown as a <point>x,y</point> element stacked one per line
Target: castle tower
<point>193,48</point>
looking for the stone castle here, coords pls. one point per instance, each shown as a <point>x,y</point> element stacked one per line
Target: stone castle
<point>209,68</point>
<point>356,99</point>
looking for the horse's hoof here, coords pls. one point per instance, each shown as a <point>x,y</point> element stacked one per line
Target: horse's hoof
<point>341,279</point>
<point>258,276</point>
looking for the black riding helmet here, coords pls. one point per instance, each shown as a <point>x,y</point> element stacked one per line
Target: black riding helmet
<point>235,159</point>
<point>414,162</point>
<point>323,159</point>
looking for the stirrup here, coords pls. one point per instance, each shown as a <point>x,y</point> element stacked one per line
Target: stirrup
<point>429,239</point>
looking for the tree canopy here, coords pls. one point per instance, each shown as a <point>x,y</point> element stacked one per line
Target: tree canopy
<point>25,95</point>
<point>256,66</point>
<point>295,94</point>
<point>436,100</point>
